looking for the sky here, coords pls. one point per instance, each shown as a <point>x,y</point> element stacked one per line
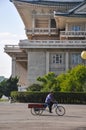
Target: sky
<point>11,31</point>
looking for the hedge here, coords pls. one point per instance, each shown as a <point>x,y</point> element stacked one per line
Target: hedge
<point>61,97</point>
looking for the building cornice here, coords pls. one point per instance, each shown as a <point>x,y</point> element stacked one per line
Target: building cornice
<point>50,44</point>
<point>50,3</point>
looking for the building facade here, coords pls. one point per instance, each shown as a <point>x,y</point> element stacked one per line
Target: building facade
<point>56,36</point>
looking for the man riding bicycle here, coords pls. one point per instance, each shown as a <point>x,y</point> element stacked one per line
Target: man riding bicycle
<point>50,101</point>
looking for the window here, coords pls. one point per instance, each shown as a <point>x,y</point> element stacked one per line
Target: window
<point>57,58</point>
<point>76,58</point>
<point>53,23</point>
<point>76,28</point>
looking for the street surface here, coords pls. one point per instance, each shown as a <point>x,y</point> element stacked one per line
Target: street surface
<point>17,116</point>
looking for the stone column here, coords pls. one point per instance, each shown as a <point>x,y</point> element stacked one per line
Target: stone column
<point>47,62</point>
<point>85,29</point>
<point>66,26</point>
<point>85,26</point>
<point>67,61</point>
<point>49,25</point>
<point>13,66</point>
<point>28,68</point>
<point>33,24</point>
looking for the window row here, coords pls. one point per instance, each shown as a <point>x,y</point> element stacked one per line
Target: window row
<point>75,58</point>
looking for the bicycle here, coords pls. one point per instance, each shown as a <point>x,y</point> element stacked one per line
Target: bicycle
<point>39,108</point>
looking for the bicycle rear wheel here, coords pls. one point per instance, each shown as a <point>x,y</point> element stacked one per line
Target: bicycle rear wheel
<point>36,111</point>
<point>60,110</point>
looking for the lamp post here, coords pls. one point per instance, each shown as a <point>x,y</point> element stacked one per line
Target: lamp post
<point>83,54</point>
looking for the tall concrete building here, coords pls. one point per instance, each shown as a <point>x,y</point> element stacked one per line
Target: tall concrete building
<point>56,36</point>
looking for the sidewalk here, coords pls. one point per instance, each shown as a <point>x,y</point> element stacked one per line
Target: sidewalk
<point>17,116</point>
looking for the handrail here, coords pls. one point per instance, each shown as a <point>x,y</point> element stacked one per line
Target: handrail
<point>74,33</point>
<point>41,31</point>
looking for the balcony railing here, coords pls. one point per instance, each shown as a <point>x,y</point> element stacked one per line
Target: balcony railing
<point>12,48</point>
<point>46,44</point>
<point>43,31</point>
<point>52,44</point>
<point>73,34</point>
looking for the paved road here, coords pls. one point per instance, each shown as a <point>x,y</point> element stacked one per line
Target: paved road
<point>17,116</point>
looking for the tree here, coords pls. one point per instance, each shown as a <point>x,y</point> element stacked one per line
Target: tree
<point>79,76</point>
<point>34,87</point>
<point>9,85</point>
<point>49,82</point>
<point>1,93</point>
<point>74,80</point>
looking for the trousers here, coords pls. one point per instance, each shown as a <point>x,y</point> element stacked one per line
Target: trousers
<point>50,106</point>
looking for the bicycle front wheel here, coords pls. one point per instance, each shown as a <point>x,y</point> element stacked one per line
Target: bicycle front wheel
<point>60,110</point>
<point>36,111</point>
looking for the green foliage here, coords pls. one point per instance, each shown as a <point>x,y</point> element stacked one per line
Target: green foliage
<point>29,96</point>
<point>39,97</point>
<point>74,80</point>
<point>1,92</point>
<point>9,85</point>
<point>35,87</point>
<point>49,82</point>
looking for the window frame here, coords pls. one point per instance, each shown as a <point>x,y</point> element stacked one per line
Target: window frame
<point>57,58</point>
<point>76,58</point>
<point>75,28</point>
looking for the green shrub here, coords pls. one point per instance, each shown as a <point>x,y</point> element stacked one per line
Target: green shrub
<point>35,87</point>
<point>61,97</point>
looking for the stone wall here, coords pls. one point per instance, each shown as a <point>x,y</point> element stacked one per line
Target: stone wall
<point>36,65</point>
